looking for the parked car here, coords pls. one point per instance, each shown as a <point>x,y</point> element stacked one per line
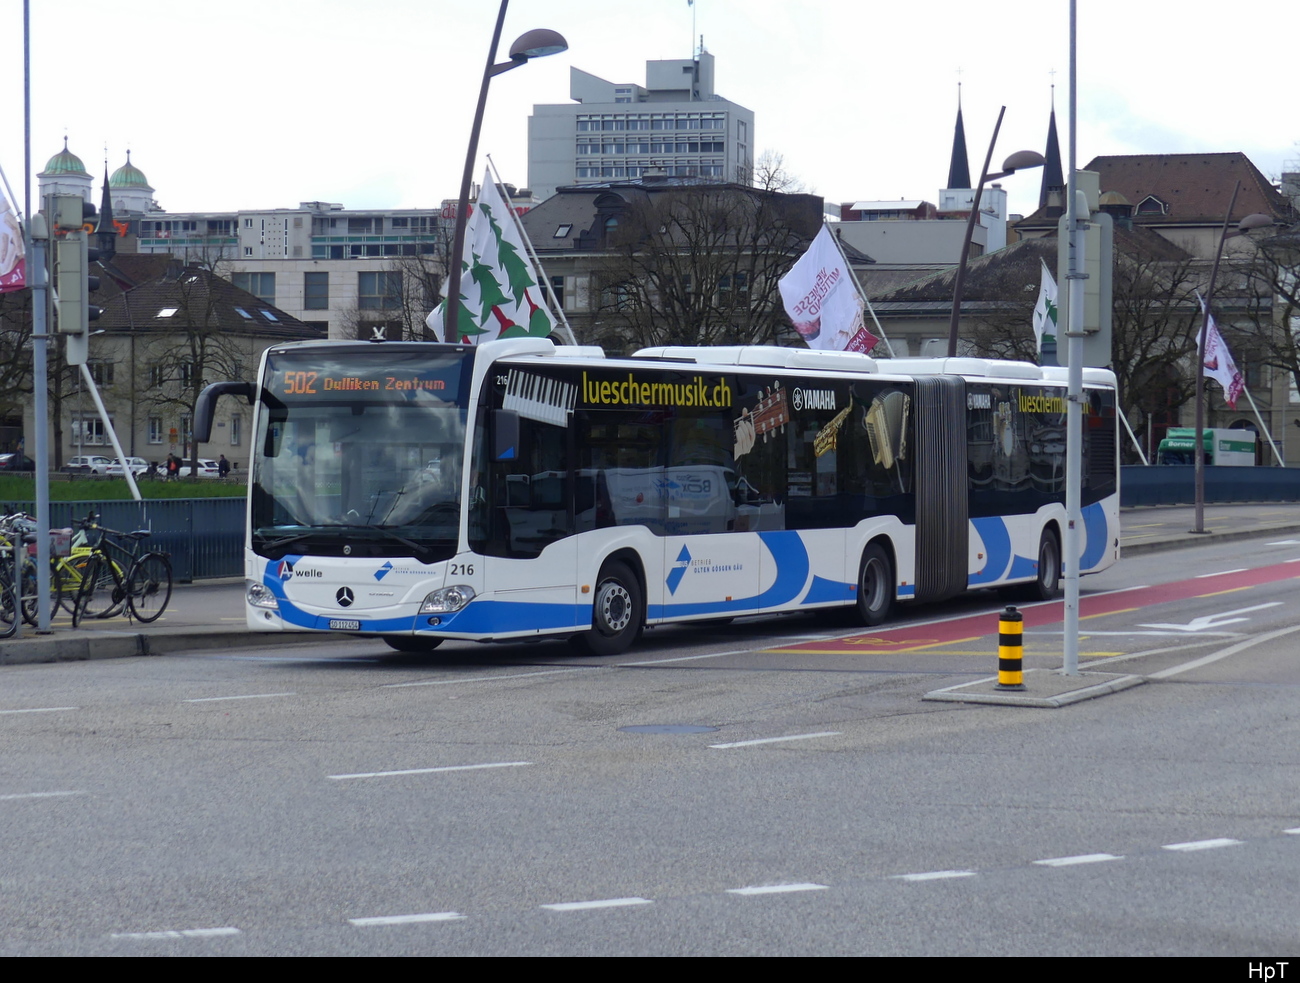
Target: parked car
<point>88,464</point>
<point>16,462</point>
<point>138,466</point>
<point>207,469</point>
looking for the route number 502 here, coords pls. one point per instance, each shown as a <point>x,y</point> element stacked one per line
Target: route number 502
<point>299,383</point>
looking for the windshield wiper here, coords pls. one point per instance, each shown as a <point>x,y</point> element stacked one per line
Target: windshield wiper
<point>274,549</point>
<point>422,553</point>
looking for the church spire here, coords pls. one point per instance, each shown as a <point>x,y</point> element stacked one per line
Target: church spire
<point>1052,191</point>
<point>105,232</point>
<point>959,167</point>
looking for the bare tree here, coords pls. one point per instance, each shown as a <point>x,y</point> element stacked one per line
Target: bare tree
<point>1270,282</point>
<point>699,265</point>
<point>414,285</point>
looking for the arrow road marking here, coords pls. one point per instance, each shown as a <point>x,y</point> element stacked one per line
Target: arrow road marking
<point>1215,620</point>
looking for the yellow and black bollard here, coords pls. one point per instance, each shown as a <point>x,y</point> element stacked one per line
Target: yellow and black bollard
<point>1011,650</point>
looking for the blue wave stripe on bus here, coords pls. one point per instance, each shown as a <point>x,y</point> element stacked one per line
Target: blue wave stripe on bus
<point>824,591</point>
<point>1094,526</point>
<point>497,617</point>
<point>791,558</point>
<point>997,550</point>
<point>1023,566</point>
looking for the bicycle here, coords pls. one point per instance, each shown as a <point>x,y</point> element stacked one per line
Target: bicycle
<point>15,531</point>
<point>145,589</point>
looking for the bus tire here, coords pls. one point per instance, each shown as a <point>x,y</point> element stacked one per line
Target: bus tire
<point>411,643</point>
<point>1048,582</point>
<point>875,585</point>
<point>617,613</point>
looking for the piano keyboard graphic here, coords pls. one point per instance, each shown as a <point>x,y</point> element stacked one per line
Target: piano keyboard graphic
<point>539,398</point>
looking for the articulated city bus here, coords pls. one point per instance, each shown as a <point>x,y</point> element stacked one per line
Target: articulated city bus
<point>515,489</point>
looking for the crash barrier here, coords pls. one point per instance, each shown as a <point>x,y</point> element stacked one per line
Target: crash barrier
<point>205,536</point>
<point>1175,484</point>
<point>1011,649</point>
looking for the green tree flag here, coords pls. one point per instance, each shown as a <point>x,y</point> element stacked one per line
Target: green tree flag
<point>499,296</point>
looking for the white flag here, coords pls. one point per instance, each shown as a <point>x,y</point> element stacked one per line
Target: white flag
<point>1045,315</point>
<point>499,295</point>
<point>821,300</point>
<point>13,264</point>
<point>1217,360</point>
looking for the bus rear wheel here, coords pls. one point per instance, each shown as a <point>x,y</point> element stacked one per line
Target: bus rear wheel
<point>1048,582</point>
<point>617,613</point>
<point>875,585</point>
<point>411,643</point>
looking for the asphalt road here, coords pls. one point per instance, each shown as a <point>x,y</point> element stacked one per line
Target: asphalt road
<point>495,800</point>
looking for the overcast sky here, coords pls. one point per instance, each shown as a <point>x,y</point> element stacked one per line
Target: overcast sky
<point>266,103</point>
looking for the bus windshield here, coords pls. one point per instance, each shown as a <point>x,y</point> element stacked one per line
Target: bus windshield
<point>360,454</point>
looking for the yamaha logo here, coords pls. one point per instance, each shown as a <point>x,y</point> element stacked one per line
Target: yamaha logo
<point>814,399</point>
<point>344,597</point>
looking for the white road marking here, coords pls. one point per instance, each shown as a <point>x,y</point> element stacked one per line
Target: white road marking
<point>478,679</point>
<point>1222,653</point>
<point>934,875</point>
<point>1220,573</point>
<point>430,771</point>
<point>251,696</point>
<point>1216,620</point>
<point>776,889</point>
<point>41,710</point>
<point>1293,832</point>
<point>36,795</point>
<point>1083,858</point>
<point>188,933</point>
<point>691,658</point>
<point>1285,542</point>
<point>587,905</point>
<point>433,916</point>
<point>1201,845</point>
<point>775,740</point>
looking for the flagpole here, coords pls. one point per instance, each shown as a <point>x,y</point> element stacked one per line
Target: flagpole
<point>1264,429</point>
<point>863,294</point>
<point>1131,435</point>
<point>556,306</point>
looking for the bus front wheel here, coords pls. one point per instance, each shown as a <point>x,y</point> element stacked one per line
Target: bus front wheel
<point>618,611</point>
<point>1048,583</point>
<point>411,643</point>
<point>875,585</point>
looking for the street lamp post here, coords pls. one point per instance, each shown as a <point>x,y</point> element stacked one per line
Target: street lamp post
<point>534,44</point>
<point>1019,161</point>
<point>1247,224</point>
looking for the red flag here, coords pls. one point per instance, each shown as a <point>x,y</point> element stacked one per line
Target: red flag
<point>1217,361</point>
<point>13,263</point>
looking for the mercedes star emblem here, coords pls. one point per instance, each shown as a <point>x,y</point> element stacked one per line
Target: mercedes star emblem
<point>344,597</point>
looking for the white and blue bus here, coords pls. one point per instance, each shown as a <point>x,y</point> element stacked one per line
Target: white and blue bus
<point>422,492</point>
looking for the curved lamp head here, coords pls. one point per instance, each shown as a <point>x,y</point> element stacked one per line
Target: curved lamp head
<point>537,44</point>
<point>1022,160</point>
<point>1255,221</point>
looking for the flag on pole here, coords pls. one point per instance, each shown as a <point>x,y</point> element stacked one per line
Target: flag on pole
<point>819,296</point>
<point>499,295</point>
<point>1045,314</point>
<point>13,262</point>
<point>1217,361</point>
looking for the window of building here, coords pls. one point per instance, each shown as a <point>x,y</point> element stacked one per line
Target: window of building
<point>316,291</point>
<point>557,285</point>
<point>260,285</point>
<point>88,429</point>
<point>101,371</point>
<point>236,430</point>
<point>189,377</point>
<point>155,430</point>
<point>562,231</point>
<point>167,312</point>
<point>380,290</point>
<point>362,225</point>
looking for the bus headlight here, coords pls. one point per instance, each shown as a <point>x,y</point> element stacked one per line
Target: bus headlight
<point>260,596</point>
<point>447,600</point>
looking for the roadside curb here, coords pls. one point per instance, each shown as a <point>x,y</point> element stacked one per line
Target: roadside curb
<point>67,646</point>
<point>1191,539</point>
<point>1055,690</point>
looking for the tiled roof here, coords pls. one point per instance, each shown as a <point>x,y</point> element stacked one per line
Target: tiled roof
<point>198,299</point>
<point>1195,188</point>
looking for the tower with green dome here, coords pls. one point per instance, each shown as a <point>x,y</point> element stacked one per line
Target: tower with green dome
<point>130,190</point>
<point>65,174</point>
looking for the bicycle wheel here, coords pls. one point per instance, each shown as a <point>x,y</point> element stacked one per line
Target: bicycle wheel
<point>8,611</point>
<point>30,588</point>
<point>150,586</point>
<point>107,595</point>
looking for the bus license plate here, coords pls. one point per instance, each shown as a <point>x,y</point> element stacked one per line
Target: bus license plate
<point>338,625</point>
